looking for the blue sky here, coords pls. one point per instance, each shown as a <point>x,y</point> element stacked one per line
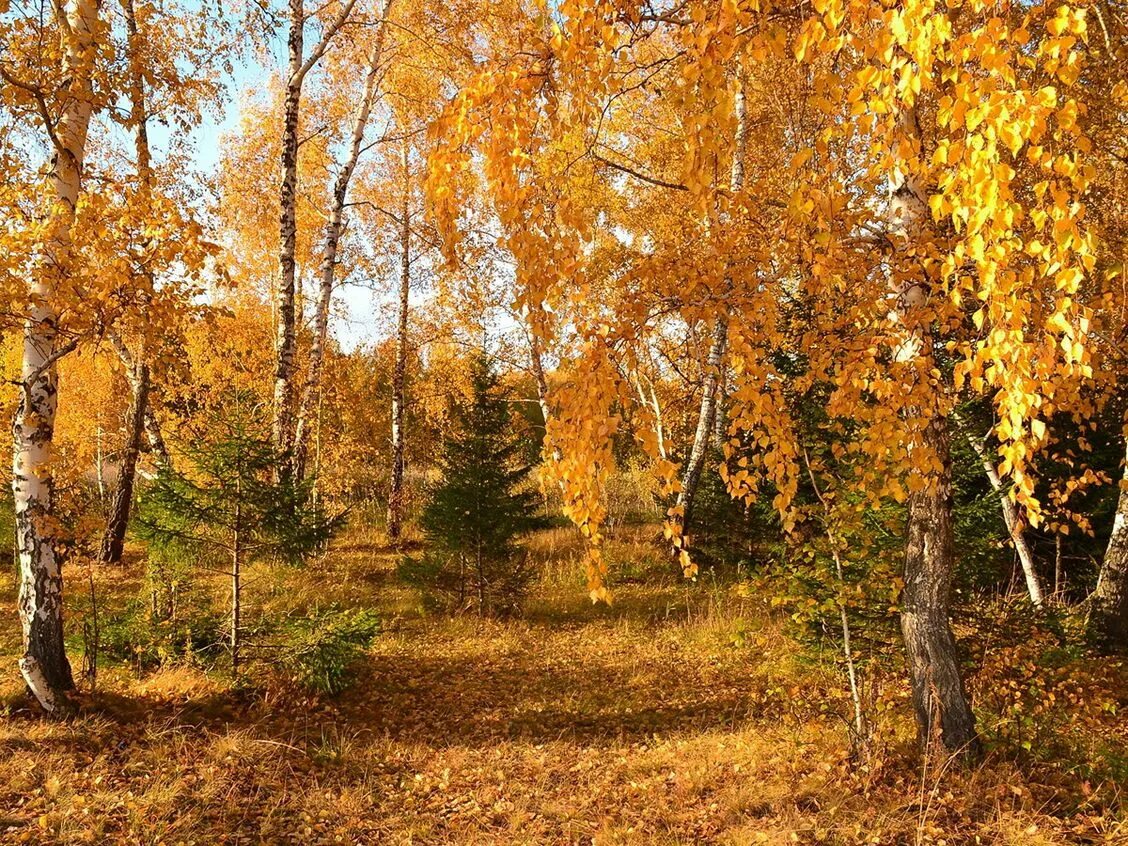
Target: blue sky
<point>362,321</point>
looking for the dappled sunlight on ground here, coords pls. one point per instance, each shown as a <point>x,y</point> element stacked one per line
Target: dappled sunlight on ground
<point>644,722</point>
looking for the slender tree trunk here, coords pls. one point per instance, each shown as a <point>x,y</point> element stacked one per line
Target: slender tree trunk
<point>861,726</point>
<point>536,362</point>
<point>44,664</point>
<point>395,496</point>
<point>648,396</point>
<point>330,244</point>
<point>1012,521</point>
<point>117,520</point>
<point>941,704</point>
<point>100,467</point>
<point>705,420</point>
<point>113,540</point>
<point>151,425</point>
<point>939,698</point>
<point>285,339</point>
<point>707,414</point>
<point>1059,572</point>
<point>139,113</point>
<point>298,65</point>
<point>1108,612</point>
<point>719,417</point>
<point>236,588</point>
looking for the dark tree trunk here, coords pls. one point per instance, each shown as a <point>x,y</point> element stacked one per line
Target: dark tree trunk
<point>942,710</point>
<point>113,540</point>
<point>1108,616</point>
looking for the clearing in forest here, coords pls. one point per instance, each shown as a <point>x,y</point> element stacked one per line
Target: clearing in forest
<point>683,713</point>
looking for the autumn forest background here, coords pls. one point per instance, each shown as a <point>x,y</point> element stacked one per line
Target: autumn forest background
<point>679,421</point>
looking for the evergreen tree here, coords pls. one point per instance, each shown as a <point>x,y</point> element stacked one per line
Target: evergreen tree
<point>227,504</point>
<point>474,516</point>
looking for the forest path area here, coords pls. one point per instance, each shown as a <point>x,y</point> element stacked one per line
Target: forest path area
<point>676,715</point>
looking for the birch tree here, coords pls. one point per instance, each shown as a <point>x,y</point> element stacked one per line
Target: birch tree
<point>399,371</point>
<point>44,664</point>
<point>1108,614</point>
<point>1011,518</point>
<point>709,413</point>
<point>977,271</point>
<point>332,236</point>
<point>117,519</point>
<point>298,67</point>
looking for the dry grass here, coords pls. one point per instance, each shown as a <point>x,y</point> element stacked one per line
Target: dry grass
<point>646,722</point>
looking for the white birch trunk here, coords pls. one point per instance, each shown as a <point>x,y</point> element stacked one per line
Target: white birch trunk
<point>285,339</point>
<point>1012,521</point>
<point>298,65</point>
<point>1108,614</point>
<point>710,390</point>
<point>330,245</point>
<point>44,663</point>
<point>152,426</point>
<point>399,375</point>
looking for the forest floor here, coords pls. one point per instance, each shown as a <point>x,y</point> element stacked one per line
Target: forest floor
<point>679,715</point>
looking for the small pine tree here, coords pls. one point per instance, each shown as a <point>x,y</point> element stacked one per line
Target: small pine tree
<point>474,516</point>
<point>226,504</point>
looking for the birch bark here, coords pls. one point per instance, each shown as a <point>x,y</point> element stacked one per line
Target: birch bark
<point>942,709</point>
<point>330,245</point>
<point>707,414</point>
<point>1013,524</point>
<point>1108,614</point>
<point>285,338</point>
<point>44,664</point>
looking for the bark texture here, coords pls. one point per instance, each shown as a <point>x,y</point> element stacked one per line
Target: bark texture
<point>536,362</point>
<point>298,66</point>
<point>1013,523</point>
<point>113,540</point>
<point>236,589</point>
<point>705,422</point>
<point>44,664</point>
<point>942,710</point>
<point>285,340</point>
<point>152,426</point>
<point>1108,614</point>
<point>117,519</point>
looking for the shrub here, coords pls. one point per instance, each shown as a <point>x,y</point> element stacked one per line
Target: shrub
<point>321,651</point>
<point>149,642</point>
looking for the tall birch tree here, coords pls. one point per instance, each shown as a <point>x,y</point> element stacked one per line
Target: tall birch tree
<point>44,664</point>
<point>298,67</point>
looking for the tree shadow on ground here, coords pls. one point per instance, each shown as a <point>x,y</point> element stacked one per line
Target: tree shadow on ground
<point>541,695</point>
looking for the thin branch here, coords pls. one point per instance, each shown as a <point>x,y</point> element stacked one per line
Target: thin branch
<point>41,103</point>
<point>326,37</point>
<point>661,183</point>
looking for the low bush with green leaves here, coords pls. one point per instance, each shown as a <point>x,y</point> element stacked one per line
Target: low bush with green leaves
<point>320,652</point>
<point>197,635</point>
